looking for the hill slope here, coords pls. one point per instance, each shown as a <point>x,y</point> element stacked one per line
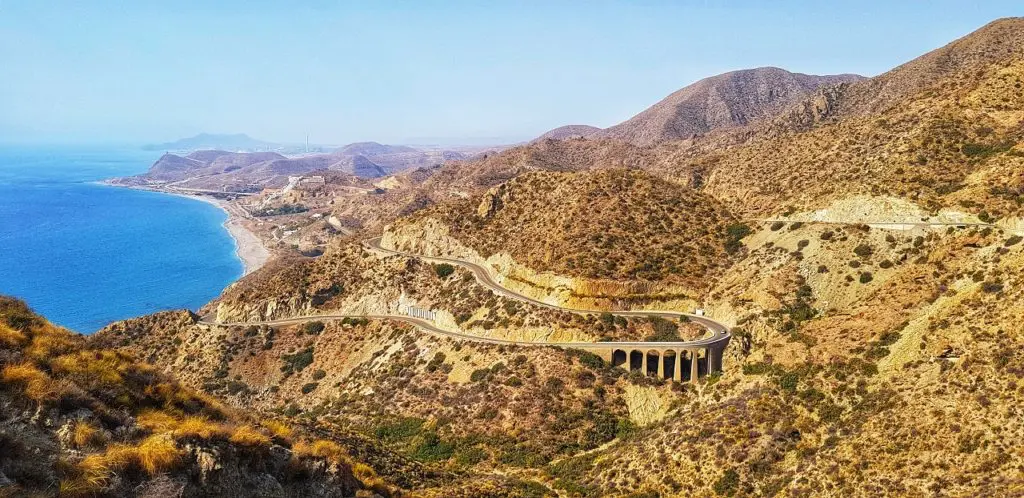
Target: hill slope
<point>724,101</point>
<point>90,421</point>
<point>606,224</point>
<point>943,130</point>
<point>569,131</point>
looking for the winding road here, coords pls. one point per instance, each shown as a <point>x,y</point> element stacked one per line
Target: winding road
<point>717,337</point>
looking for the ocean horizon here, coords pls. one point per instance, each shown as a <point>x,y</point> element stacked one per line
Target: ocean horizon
<point>86,254</point>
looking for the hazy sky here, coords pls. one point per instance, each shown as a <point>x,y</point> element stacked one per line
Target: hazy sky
<point>418,71</point>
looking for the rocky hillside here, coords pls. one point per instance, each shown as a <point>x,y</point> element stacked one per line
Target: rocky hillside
<point>941,131</point>
<point>610,224</point>
<point>81,420</point>
<point>725,101</point>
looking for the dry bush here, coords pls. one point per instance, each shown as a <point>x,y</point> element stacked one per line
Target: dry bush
<point>10,337</point>
<point>154,455</point>
<point>48,342</point>
<point>201,427</point>
<point>247,435</point>
<point>37,385</point>
<point>279,430</point>
<point>87,434</point>
<point>321,448</point>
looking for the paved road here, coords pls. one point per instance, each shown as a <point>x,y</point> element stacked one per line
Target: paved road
<point>718,333</point>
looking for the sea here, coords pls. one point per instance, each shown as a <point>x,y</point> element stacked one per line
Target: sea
<point>84,254</point>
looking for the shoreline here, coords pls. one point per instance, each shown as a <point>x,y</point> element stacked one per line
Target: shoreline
<point>249,248</point>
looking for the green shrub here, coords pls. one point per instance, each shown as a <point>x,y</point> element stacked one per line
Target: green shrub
<point>733,234</point>
<point>444,270</point>
<point>313,328</point>
<point>863,250</point>
<point>298,361</point>
<point>776,226</point>
<point>866,277</point>
<point>664,330</point>
<point>431,448</point>
<point>728,483</point>
<point>479,374</point>
<point>436,361</point>
<point>310,387</point>
<point>282,210</point>
<point>403,428</point>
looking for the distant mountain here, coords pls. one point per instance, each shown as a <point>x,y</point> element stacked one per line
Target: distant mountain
<point>372,149</point>
<point>244,171</point>
<point>724,101</point>
<point>235,142</point>
<point>569,131</point>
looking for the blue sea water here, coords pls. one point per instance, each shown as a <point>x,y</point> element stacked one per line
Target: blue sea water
<point>84,255</point>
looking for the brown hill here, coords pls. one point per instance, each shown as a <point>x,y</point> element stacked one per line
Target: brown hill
<point>608,224</point>
<point>569,131</point>
<point>725,101</point>
<point>941,131</point>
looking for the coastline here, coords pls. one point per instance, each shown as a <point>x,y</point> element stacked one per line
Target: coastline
<point>249,248</point>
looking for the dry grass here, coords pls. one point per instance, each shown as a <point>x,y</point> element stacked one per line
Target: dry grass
<point>37,385</point>
<point>279,430</point>
<point>10,337</point>
<point>192,426</point>
<point>154,455</point>
<point>105,367</point>
<point>248,435</point>
<point>49,341</point>
<point>157,421</point>
<point>87,434</point>
<point>369,478</point>
<point>321,448</point>
<point>201,427</point>
<point>157,454</point>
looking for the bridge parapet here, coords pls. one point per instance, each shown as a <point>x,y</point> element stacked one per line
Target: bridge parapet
<point>416,312</point>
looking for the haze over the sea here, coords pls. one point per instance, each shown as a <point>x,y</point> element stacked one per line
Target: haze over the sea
<point>85,254</point>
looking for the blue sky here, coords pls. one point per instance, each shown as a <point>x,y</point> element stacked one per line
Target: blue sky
<point>418,71</point>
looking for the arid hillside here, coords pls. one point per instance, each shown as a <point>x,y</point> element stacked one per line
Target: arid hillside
<point>724,101</point>
<point>569,131</point>
<point>941,131</point>
<point>80,420</point>
<point>448,404</point>
<point>623,225</point>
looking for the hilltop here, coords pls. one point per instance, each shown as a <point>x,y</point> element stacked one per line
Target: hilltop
<point>727,100</point>
<point>569,131</point>
<point>942,131</point>
<point>613,225</point>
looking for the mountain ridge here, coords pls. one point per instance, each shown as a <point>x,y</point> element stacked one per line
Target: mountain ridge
<point>727,100</point>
